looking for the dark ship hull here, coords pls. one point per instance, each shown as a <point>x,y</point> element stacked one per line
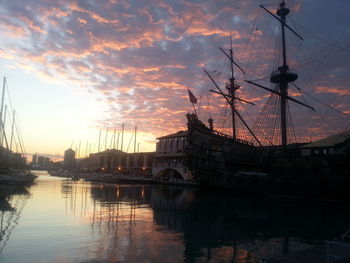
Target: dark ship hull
<point>216,161</point>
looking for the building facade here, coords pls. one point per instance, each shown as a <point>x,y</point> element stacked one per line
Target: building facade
<point>69,161</point>
<point>34,159</point>
<point>169,159</point>
<point>119,162</point>
<point>335,145</point>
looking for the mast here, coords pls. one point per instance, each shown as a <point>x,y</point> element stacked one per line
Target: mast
<point>78,154</point>
<point>232,91</point>
<point>86,149</point>
<point>2,107</point>
<point>282,77</point>
<point>118,141</point>
<point>135,140</point>
<point>99,140</point>
<point>13,124</point>
<point>3,128</point>
<point>106,139</point>
<point>122,142</point>
<point>231,87</point>
<point>282,13</point>
<point>113,140</point>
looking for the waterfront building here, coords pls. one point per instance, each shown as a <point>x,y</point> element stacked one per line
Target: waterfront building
<point>34,159</point>
<point>46,161</point>
<point>108,160</point>
<point>140,163</point>
<point>116,161</point>
<point>338,144</point>
<point>40,161</point>
<point>69,161</point>
<point>168,162</point>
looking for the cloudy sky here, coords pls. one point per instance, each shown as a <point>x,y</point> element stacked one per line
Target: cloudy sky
<point>75,67</point>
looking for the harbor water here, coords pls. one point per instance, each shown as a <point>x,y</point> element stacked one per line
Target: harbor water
<point>64,220</point>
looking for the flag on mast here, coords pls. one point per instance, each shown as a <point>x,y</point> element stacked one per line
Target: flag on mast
<point>193,98</point>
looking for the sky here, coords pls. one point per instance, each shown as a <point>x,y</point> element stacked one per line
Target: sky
<point>74,68</point>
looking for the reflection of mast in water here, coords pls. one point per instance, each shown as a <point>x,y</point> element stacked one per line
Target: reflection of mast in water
<point>115,216</point>
<point>9,218</point>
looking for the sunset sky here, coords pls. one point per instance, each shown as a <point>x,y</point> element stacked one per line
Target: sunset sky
<point>76,67</point>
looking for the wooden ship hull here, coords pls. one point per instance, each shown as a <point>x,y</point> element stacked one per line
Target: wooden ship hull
<point>216,161</point>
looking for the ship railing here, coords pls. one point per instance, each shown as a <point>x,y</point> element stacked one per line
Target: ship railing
<point>225,136</point>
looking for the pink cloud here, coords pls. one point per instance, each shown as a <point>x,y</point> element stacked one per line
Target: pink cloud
<point>141,55</point>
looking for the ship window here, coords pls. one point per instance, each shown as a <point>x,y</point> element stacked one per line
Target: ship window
<point>324,151</point>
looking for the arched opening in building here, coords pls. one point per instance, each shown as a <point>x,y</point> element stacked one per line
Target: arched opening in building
<point>169,175</point>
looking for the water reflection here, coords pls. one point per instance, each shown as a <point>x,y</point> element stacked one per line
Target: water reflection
<point>236,229</point>
<point>135,223</point>
<point>11,208</point>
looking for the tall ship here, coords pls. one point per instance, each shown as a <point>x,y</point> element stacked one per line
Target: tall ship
<point>218,160</point>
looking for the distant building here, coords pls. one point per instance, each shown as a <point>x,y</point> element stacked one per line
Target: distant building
<point>169,161</point>
<point>116,161</point>
<point>338,144</point>
<point>40,161</point>
<point>46,161</point>
<point>34,159</point>
<point>69,161</point>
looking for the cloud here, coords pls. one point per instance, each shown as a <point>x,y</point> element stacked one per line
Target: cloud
<point>141,55</point>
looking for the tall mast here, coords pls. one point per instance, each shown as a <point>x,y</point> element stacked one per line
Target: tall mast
<point>3,127</point>
<point>232,91</point>
<point>13,124</point>
<point>2,107</point>
<point>113,140</point>
<point>99,141</point>
<point>282,76</point>
<point>231,87</point>
<point>106,139</point>
<point>122,142</point>
<point>86,149</point>
<point>135,140</point>
<point>118,141</point>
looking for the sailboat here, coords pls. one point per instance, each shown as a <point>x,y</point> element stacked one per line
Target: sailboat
<point>217,160</point>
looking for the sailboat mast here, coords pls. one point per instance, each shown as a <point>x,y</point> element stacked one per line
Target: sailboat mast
<point>232,93</point>
<point>13,124</point>
<point>135,140</point>
<point>3,127</point>
<point>2,107</point>
<point>99,140</point>
<point>122,143</point>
